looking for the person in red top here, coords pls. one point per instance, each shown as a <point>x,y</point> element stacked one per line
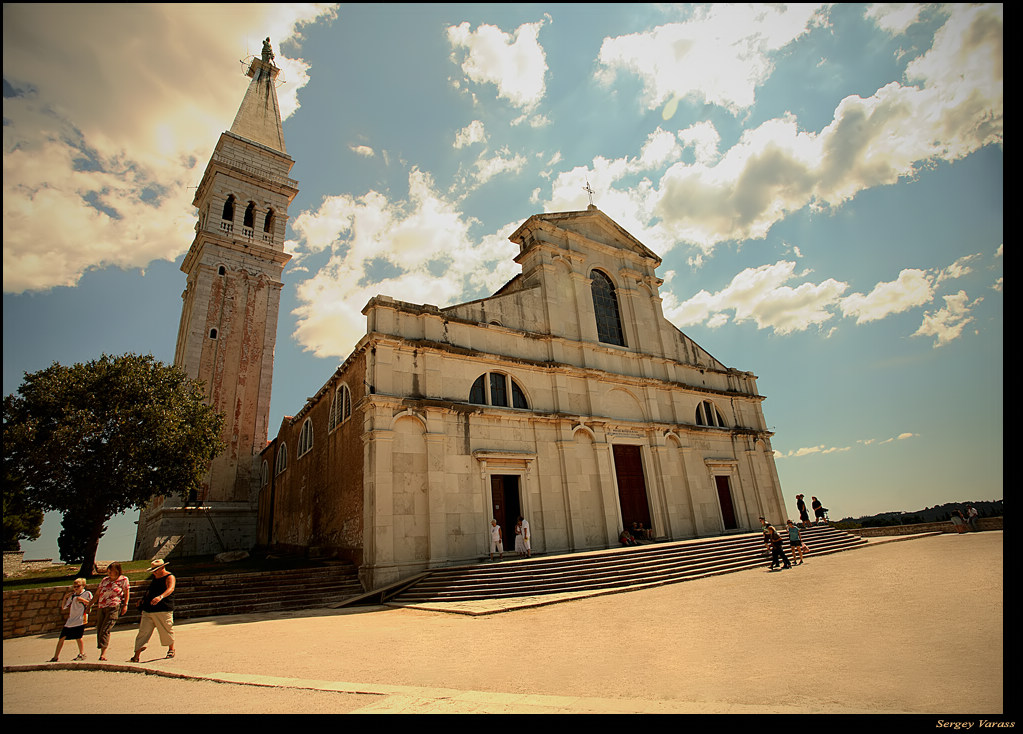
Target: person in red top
<point>111,603</point>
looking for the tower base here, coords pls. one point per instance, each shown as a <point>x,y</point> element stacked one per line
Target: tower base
<point>170,530</point>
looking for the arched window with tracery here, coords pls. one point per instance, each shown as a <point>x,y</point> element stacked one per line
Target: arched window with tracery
<point>708,415</point>
<point>340,408</point>
<point>605,309</point>
<point>305,438</point>
<point>497,388</point>
<point>282,459</point>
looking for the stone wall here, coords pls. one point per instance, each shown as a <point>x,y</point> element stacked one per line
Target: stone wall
<point>945,526</point>
<point>37,611</point>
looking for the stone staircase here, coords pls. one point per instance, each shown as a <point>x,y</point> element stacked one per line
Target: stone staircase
<point>604,571</point>
<point>210,595</point>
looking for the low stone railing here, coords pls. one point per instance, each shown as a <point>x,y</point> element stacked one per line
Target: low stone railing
<point>945,526</point>
<point>36,611</point>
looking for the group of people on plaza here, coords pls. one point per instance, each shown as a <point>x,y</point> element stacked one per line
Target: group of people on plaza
<point>522,544</point>
<point>774,542</point>
<point>111,603</point>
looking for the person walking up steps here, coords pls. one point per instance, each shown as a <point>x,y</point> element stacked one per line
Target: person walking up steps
<point>777,551</point>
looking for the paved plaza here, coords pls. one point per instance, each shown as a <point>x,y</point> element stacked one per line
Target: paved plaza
<point>907,626</point>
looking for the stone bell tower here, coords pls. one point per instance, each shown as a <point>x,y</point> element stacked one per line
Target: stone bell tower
<point>228,323</point>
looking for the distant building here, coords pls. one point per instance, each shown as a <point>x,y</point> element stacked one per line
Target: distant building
<point>565,397</point>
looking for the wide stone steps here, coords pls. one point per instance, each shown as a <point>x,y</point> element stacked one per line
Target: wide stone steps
<point>246,593</point>
<point>647,565</point>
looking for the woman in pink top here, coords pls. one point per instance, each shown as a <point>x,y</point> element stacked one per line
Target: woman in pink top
<point>111,603</point>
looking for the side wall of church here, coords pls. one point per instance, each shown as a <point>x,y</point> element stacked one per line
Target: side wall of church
<point>315,503</point>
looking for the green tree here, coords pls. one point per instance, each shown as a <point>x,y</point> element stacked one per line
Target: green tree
<point>94,440</point>
<point>22,520</point>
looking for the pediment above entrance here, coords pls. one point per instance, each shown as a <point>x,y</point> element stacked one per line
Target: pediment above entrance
<point>591,226</point>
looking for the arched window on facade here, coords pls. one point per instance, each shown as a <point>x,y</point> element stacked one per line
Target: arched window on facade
<point>497,388</point>
<point>228,214</point>
<point>305,438</point>
<point>268,222</point>
<point>605,309</point>
<point>249,221</point>
<point>341,408</point>
<point>282,459</point>
<point>264,475</point>
<point>708,415</point>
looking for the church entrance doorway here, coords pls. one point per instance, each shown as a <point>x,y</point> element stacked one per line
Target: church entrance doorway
<point>631,485</point>
<point>725,500</point>
<point>505,505</point>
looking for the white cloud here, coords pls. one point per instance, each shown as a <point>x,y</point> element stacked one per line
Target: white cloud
<point>763,296</point>
<point>364,150</point>
<point>949,106</point>
<point>424,242</point>
<point>100,149</point>
<point>911,289</point>
<point>471,133</point>
<point>513,62</point>
<point>947,323</point>
<point>719,56</point>
<point>895,18</point>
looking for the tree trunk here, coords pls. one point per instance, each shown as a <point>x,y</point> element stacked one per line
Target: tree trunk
<point>89,561</point>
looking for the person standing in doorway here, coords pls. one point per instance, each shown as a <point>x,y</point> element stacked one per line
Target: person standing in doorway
<point>157,611</point>
<point>496,541</point>
<point>525,535</point>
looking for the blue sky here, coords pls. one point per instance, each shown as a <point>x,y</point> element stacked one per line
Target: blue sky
<point>823,183</point>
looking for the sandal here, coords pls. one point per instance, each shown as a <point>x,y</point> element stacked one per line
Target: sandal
<point>54,660</point>
<point>80,657</point>
<point>170,653</point>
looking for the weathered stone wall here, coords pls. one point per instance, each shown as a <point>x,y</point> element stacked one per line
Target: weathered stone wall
<point>37,611</point>
<point>946,526</point>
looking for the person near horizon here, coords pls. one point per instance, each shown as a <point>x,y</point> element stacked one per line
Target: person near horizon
<point>971,517</point>
<point>496,540</point>
<point>795,542</point>
<point>958,521</point>
<point>157,608</point>
<point>804,516</point>
<point>819,511</point>
<point>777,551</point>
<point>525,535</point>
<point>76,601</point>
<point>111,604</point>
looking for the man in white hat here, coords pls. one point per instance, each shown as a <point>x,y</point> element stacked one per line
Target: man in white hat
<point>157,610</point>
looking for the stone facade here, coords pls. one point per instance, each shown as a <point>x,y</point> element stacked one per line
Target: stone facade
<point>228,323</point>
<point>565,397</point>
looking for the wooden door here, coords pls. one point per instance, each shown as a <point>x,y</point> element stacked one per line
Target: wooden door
<point>725,500</point>
<point>505,505</point>
<point>631,485</point>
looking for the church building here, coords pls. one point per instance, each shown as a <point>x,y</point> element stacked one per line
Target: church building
<point>566,397</point>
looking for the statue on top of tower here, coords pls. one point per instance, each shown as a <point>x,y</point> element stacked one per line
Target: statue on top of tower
<point>268,52</point>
